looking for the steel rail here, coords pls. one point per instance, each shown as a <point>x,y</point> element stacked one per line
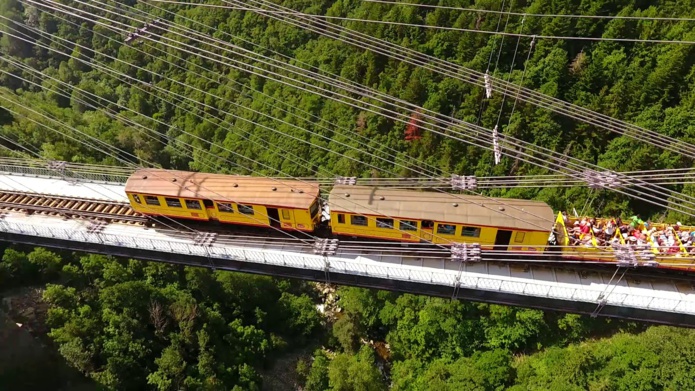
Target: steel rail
<point>110,211</point>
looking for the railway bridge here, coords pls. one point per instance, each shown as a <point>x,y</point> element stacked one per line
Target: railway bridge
<point>41,207</point>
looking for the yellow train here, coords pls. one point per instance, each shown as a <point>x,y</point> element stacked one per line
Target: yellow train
<point>439,218</point>
<point>284,204</point>
<point>519,226</point>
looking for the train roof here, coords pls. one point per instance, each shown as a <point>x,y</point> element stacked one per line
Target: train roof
<point>421,205</point>
<point>283,193</point>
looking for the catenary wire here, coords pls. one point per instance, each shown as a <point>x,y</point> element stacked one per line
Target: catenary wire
<point>100,150</point>
<point>465,30</point>
<point>469,201</point>
<point>477,78</point>
<point>433,234</point>
<point>258,45</point>
<point>643,194</point>
<point>323,32</point>
<point>532,15</point>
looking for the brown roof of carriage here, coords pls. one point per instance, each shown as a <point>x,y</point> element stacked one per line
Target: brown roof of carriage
<point>220,187</point>
<point>421,205</point>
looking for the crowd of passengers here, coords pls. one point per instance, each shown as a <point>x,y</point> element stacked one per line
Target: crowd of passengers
<point>634,232</point>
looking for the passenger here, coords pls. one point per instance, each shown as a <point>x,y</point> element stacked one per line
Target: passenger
<point>597,228</point>
<point>574,234</point>
<point>684,236</point>
<point>635,232</point>
<point>636,222</point>
<point>670,237</point>
<point>601,238</point>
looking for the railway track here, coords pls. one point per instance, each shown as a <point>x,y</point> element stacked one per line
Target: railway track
<point>70,207</point>
<point>121,212</point>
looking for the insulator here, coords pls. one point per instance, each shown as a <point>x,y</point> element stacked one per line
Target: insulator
<point>205,238</point>
<point>326,247</point>
<point>496,145</point>
<point>602,180</point>
<point>342,180</point>
<point>461,182</point>
<point>463,252</point>
<point>488,86</point>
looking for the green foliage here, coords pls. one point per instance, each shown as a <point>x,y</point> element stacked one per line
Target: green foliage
<point>128,323</point>
<point>348,332</point>
<point>355,372</point>
<point>482,371</point>
<point>659,359</point>
<point>317,378</point>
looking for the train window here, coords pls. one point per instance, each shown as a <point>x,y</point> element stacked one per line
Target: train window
<point>173,202</point>
<point>446,229</point>
<point>427,224</point>
<point>341,219</point>
<point>151,200</point>
<point>137,198</point>
<point>519,237</point>
<point>384,223</point>
<point>358,220</point>
<point>314,208</point>
<point>207,203</point>
<point>245,209</point>
<point>285,214</point>
<point>193,204</point>
<point>408,225</point>
<point>471,232</point>
<point>224,207</point>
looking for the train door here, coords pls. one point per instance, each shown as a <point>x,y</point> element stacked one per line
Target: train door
<point>287,218</point>
<point>426,229</point>
<point>502,240</point>
<point>274,217</point>
<point>210,209</point>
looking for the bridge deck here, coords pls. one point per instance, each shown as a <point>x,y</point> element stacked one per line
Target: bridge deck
<point>62,188</point>
<point>539,287</point>
<point>558,288</point>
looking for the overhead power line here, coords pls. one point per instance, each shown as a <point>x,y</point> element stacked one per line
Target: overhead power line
<point>522,14</point>
<point>475,77</point>
<point>374,94</point>
<point>361,90</point>
<point>189,32</point>
<point>537,36</point>
<point>147,38</point>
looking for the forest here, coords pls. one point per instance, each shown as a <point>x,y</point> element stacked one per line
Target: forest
<point>202,90</point>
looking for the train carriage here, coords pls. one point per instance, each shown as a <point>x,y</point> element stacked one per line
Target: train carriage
<point>245,200</point>
<point>441,218</point>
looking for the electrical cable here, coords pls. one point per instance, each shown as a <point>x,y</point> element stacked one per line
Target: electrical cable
<point>477,78</point>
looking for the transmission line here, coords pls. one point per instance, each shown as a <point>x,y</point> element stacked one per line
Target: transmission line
<point>523,14</point>
<point>436,65</point>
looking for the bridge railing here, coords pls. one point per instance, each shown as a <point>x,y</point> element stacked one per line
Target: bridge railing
<point>593,293</point>
<point>73,171</point>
